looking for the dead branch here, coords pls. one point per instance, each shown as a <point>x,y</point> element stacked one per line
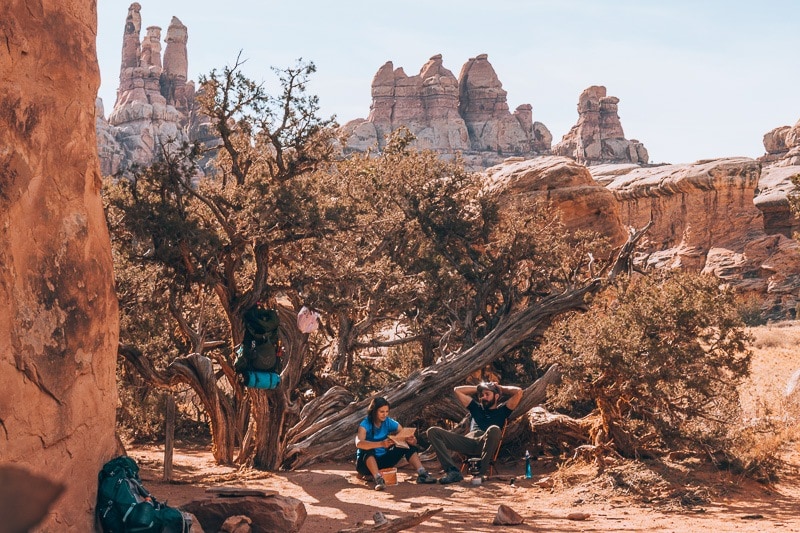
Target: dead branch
<point>398,524</point>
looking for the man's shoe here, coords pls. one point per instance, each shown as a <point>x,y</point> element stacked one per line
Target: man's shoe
<point>380,483</point>
<point>453,476</point>
<point>425,478</point>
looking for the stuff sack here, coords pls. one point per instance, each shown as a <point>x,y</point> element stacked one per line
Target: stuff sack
<point>257,379</point>
<point>124,505</point>
<point>307,320</point>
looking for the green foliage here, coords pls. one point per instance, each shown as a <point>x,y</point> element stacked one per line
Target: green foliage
<point>661,356</point>
<point>433,250</point>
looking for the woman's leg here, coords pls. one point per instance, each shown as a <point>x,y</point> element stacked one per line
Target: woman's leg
<point>366,464</point>
<point>372,465</point>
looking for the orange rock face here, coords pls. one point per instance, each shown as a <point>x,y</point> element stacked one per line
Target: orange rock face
<point>705,220</point>
<point>568,186</point>
<point>58,312</point>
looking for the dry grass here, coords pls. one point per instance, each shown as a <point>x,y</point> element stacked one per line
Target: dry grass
<point>775,359</point>
<point>770,427</point>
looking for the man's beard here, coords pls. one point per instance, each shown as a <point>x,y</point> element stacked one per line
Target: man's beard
<point>486,404</point>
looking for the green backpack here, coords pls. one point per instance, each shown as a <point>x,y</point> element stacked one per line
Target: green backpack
<point>260,349</point>
<point>124,505</point>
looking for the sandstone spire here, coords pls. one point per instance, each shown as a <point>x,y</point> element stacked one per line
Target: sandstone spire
<point>151,48</point>
<point>468,114</point>
<point>176,67</point>
<point>154,99</point>
<point>483,104</point>
<point>130,37</point>
<point>598,137</point>
<point>176,63</point>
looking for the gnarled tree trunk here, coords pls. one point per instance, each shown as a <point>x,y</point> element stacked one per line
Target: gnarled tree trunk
<point>331,437</point>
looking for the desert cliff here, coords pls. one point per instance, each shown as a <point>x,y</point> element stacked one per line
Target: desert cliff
<point>59,323</point>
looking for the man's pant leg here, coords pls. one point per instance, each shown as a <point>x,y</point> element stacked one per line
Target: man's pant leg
<point>490,442</point>
<point>443,442</point>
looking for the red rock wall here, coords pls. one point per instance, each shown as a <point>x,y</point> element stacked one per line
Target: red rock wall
<point>58,311</point>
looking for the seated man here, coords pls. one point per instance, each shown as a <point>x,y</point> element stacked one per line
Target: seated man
<point>488,417</point>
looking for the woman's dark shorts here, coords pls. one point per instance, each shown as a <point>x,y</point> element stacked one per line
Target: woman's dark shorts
<point>387,460</point>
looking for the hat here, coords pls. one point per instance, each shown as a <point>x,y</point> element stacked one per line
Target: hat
<point>488,385</point>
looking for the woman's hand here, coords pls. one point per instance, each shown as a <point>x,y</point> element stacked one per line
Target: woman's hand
<point>387,443</point>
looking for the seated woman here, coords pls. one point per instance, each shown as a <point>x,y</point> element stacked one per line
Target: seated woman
<point>376,450</point>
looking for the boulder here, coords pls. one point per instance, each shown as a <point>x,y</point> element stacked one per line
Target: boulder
<point>268,514</point>
<point>58,309</point>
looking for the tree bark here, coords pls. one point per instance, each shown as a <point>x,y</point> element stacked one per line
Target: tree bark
<point>196,371</point>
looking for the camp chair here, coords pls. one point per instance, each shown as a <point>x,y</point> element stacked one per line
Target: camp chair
<point>470,463</point>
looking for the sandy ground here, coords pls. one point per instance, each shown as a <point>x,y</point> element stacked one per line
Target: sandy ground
<point>671,497</point>
<point>335,499</point>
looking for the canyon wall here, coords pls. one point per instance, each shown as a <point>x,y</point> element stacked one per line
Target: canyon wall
<point>58,310</point>
<point>705,220</point>
<point>704,217</point>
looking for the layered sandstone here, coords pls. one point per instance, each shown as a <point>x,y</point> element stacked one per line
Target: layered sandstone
<point>469,115</point>
<point>154,98</point>
<point>782,146</point>
<point>565,185</point>
<point>781,163</point>
<point>597,137</point>
<point>705,220</point>
<point>58,311</point>
<point>772,199</point>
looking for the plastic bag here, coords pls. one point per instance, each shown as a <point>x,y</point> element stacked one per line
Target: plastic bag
<point>307,320</point>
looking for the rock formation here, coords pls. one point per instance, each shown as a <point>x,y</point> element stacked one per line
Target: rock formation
<point>772,199</point>
<point>705,220</point>
<point>58,318</point>
<point>267,513</point>
<point>781,162</point>
<point>567,186</point>
<point>704,217</point>
<point>598,137</point>
<point>782,145</point>
<point>468,115</point>
<point>483,105</point>
<point>154,98</point>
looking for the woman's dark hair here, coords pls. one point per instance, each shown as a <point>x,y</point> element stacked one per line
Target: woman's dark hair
<point>372,411</point>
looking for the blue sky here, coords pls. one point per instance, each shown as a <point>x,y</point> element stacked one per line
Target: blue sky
<point>696,79</point>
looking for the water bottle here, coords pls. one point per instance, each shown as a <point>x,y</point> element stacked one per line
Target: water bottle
<point>528,473</point>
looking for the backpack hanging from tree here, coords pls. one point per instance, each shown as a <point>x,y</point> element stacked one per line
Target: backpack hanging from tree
<point>259,355</point>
